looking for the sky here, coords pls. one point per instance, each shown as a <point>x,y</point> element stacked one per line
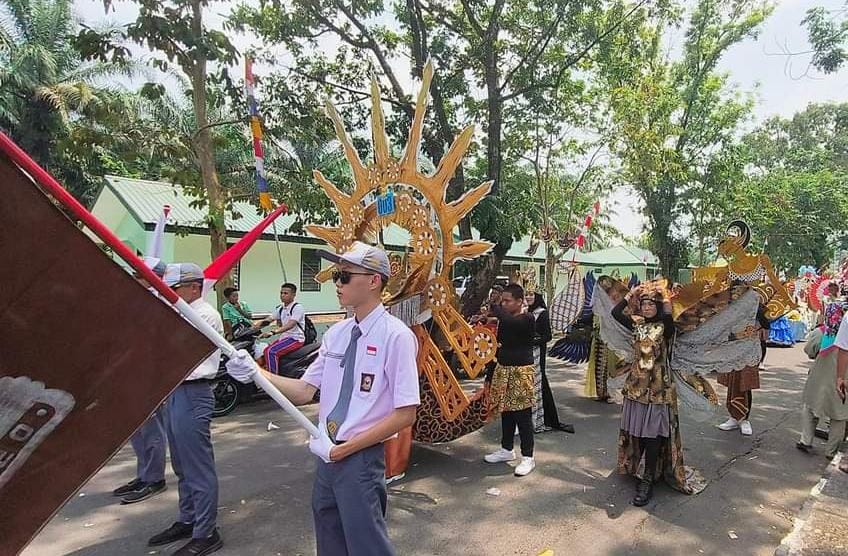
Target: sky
<point>782,84</point>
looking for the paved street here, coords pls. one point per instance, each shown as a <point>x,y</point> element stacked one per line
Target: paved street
<point>573,503</point>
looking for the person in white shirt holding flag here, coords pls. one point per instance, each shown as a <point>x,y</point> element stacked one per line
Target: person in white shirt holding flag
<point>189,414</point>
<point>367,373</point>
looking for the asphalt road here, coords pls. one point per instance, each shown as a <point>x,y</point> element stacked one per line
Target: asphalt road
<point>573,503</point>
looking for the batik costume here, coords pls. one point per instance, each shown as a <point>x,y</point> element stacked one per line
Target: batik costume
<point>665,374</point>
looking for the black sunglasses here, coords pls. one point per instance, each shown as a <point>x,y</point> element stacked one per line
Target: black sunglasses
<point>344,276</point>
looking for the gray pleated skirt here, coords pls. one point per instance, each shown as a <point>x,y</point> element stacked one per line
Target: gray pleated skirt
<point>646,420</point>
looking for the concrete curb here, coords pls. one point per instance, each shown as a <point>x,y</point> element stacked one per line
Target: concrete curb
<point>821,527</point>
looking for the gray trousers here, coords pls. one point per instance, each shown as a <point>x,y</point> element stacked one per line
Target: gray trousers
<point>808,430</point>
<point>349,506</point>
<point>148,443</point>
<point>190,441</point>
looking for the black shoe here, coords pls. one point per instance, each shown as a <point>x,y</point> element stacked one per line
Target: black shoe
<point>131,486</point>
<point>145,492</point>
<point>175,532</point>
<point>806,448</point>
<point>199,547</point>
<point>820,433</point>
<point>644,492</point>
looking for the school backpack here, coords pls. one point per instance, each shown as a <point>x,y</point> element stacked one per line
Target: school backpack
<point>310,333</point>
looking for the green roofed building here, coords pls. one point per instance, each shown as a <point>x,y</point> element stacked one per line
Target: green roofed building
<point>131,208</point>
<point>620,260</point>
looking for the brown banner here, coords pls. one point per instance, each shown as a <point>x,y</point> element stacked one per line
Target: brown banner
<point>86,354</point>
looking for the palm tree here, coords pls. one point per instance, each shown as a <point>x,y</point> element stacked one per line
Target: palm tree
<point>46,88</point>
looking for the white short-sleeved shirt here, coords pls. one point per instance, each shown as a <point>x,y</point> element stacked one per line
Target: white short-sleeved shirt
<point>209,367</point>
<point>296,313</point>
<point>841,340</point>
<point>385,377</point>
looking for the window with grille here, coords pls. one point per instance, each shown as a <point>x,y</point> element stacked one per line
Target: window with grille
<point>310,265</point>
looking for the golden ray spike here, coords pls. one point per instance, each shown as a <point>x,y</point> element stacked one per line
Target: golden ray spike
<point>409,162</point>
<point>457,210</point>
<point>328,234</point>
<point>469,249</point>
<point>325,275</point>
<point>360,172</point>
<point>334,193</point>
<point>453,158</point>
<point>378,128</point>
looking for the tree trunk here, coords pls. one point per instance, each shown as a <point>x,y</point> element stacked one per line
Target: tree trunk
<point>205,151</point>
<point>494,125</point>
<point>485,271</point>
<point>550,269</point>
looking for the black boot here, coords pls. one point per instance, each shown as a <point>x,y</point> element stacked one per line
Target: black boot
<point>644,492</point>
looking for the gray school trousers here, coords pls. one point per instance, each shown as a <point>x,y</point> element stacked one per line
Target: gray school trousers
<point>349,506</point>
<point>189,415</point>
<point>148,443</point>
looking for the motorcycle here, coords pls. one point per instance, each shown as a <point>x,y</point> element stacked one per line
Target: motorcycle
<point>229,392</point>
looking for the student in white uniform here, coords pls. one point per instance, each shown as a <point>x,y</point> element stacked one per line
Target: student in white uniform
<point>189,411</point>
<point>367,372</point>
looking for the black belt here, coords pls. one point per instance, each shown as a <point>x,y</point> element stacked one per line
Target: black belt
<point>199,380</point>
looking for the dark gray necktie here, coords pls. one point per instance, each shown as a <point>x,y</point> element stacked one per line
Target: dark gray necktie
<point>339,413</point>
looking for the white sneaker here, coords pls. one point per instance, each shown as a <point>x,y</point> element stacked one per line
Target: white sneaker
<point>525,467</point>
<point>500,456</point>
<point>745,428</point>
<point>729,425</point>
<point>394,478</point>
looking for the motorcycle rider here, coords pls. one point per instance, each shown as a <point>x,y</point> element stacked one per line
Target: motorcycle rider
<point>236,314</point>
<point>291,325</point>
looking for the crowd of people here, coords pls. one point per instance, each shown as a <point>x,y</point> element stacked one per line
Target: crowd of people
<point>367,374</point>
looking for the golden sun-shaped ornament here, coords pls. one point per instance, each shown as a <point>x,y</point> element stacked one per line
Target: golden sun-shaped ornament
<point>422,209</point>
<point>435,246</point>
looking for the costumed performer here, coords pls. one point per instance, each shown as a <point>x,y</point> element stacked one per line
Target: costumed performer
<point>821,399</point>
<point>646,418</point>
<point>545,414</point>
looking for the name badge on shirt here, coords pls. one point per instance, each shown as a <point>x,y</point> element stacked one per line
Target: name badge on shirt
<point>366,382</point>
<point>371,350</point>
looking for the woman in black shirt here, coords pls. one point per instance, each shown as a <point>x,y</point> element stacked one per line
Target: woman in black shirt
<point>512,382</point>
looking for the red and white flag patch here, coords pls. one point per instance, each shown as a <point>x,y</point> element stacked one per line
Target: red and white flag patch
<point>371,350</point>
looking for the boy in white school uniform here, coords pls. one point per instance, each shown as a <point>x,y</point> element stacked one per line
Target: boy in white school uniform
<point>367,373</point>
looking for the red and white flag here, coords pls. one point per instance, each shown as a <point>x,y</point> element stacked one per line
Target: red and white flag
<point>87,353</point>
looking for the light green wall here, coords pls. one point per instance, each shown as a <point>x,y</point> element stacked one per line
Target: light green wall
<point>260,274</point>
<point>111,212</point>
<point>261,277</point>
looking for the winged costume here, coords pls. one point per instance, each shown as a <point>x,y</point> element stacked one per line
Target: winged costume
<point>664,358</point>
<point>583,341</point>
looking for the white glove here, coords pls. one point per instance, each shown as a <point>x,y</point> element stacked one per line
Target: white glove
<point>322,445</point>
<point>242,367</point>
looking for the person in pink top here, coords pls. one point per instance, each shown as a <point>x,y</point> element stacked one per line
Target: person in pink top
<point>368,376</point>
